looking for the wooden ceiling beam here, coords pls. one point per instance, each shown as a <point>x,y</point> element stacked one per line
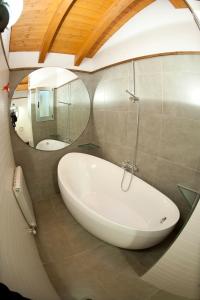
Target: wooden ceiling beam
<point>179,3</point>
<point>59,16</point>
<point>117,11</point>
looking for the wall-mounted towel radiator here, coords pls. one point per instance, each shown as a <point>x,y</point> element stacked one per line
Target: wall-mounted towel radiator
<point>23,199</point>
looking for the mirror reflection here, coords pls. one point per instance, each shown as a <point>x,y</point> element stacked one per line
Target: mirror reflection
<point>50,108</point>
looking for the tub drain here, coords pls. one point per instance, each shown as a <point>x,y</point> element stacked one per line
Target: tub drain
<point>163,220</point>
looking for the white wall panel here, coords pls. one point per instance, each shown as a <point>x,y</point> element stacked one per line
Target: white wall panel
<point>21,268</point>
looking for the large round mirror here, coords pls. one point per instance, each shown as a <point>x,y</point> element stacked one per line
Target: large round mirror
<point>50,108</point>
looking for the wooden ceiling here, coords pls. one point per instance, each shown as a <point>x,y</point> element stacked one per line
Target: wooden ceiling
<point>78,27</point>
<point>23,85</point>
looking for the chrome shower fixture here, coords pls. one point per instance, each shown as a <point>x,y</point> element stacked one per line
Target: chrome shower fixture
<point>133,98</point>
<point>127,165</point>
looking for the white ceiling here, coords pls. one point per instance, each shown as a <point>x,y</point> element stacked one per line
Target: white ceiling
<point>157,15</point>
<point>51,77</point>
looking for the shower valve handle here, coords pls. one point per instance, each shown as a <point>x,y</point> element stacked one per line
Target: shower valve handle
<point>127,165</point>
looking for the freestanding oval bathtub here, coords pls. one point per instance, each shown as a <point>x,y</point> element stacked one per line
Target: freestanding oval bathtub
<point>137,219</point>
<point>50,145</point>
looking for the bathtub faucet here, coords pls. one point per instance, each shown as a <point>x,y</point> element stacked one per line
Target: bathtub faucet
<point>128,166</point>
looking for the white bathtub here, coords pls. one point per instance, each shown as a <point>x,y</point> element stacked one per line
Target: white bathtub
<point>51,145</point>
<point>90,188</point>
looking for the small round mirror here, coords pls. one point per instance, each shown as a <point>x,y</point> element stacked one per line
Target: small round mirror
<point>50,108</point>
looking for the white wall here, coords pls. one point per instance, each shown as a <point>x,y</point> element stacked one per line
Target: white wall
<point>156,29</point>
<point>6,40</point>
<point>21,268</point>
<point>20,94</point>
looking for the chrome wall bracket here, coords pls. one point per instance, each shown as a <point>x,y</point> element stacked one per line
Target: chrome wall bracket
<point>133,98</point>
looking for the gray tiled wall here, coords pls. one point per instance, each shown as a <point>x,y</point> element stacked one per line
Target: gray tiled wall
<point>169,131</point>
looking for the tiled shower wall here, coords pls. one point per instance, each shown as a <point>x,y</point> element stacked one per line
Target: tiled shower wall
<point>70,123</point>
<point>169,131</point>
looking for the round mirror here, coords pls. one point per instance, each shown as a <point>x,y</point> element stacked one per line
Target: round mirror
<point>50,108</point>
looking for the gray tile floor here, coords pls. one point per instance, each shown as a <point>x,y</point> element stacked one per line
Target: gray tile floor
<point>81,266</point>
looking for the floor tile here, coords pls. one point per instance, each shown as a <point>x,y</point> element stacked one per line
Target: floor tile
<point>81,266</point>
<point>161,295</point>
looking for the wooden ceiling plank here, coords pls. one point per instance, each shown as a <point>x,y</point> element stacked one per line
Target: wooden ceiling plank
<point>62,11</point>
<point>22,87</point>
<point>117,10</point>
<point>179,3</point>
